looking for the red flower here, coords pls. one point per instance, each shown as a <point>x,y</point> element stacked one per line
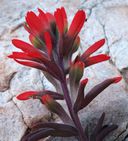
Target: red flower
<point>53,43</point>
<point>46,45</point>
<point>91,60</point>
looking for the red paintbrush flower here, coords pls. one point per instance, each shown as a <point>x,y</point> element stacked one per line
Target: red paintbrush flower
<point>50,50</point>
<point>50,40</point>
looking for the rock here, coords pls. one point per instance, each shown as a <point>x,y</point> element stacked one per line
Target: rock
<point>119,54</point>
<point>6,71</point>
<point>30,79</point>
<point>12,126</point>
<point>105,19</point>
<point>34,112</point>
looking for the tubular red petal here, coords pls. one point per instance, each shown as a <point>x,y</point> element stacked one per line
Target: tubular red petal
<point>50,17</point>
<point>20,55</point>
<point>34,22</point>
<point>92,49</point>
<point>48,43</point>
<point>33,52</point>
<point>84,82</point>
<point>43,18</point>
<point>63,12</point>
<point>77,23</point>
<point>31,64</point>
<point>21,45</point>
<point>26,95</point>
<point>59,20</point>
<point>64,18</point>
<point>117,79</point>
<point>96,59</point>
<point>79,65</point>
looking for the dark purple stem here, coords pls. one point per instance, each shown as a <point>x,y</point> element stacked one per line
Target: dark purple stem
<point>74,116</point>
<point>67,98</point>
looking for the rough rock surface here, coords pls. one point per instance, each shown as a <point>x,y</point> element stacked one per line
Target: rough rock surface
<point>12,126</point>
<point>105,19</point>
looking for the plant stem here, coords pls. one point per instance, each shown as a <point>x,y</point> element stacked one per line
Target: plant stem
<point>74,116</point>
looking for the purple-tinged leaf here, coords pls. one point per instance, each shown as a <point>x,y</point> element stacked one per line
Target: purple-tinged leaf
<point>80,95</point>
<point>43,130</point>
<point>56,108</point>
<point>75,74</point>
<point>98,128</point>
<point>55,126</point>
<point>105,132</point>
<point>100,124</point>
<point>54,69</point>
<point>38,134</point>
<point>101,131</point>
<point>97,90</point>
<point>53,81</point>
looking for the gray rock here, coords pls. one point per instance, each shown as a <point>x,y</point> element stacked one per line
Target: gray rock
<point>106,19</point>
<point>12,126</point>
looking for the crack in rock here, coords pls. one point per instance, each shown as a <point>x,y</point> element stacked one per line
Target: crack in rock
<point>19,111</point>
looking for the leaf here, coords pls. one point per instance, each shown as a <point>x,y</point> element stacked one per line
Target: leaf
<point>75,74</point>
<point>97,90</point>
<point>101,131</point>
<point>55,126</point>
<point>105,132</point>
<point>56,108</point>
<point>99,124</point>
<point>98,128</point>
<point>38,134</point>
<point>53,81</point>
<point>54,69</point>
<point>43,130</point>
<point>80,95</point>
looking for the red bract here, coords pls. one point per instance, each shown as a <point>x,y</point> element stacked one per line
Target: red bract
<point>47,99</point>
<point>38,95</point>
<point>53,43</point>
